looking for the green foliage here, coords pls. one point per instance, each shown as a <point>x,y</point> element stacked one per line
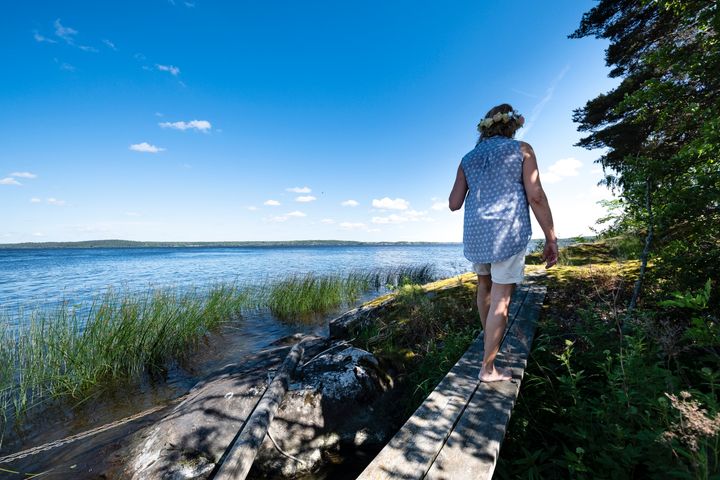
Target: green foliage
<point>704,328</point>
<point>660,127</point>
<point>597,403</point>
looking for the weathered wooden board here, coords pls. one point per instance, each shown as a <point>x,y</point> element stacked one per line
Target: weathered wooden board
<point>472,448</point>
<point>411,452</point>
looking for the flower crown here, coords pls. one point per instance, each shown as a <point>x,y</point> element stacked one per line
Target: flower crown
<point>502,117</point>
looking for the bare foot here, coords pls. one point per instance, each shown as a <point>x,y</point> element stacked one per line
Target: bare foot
<point>496,375</point>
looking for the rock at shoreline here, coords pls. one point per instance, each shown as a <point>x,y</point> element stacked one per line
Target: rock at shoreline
<point>329,404</point>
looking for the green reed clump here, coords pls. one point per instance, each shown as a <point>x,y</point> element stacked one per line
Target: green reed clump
<point>303,295</point>
<point>65,353</point>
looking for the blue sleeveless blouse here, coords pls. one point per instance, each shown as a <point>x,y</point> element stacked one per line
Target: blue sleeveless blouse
<point>497,217</point>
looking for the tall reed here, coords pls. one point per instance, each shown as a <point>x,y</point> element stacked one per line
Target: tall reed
<point>70,352</point>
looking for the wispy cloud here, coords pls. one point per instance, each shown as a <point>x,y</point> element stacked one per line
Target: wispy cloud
<point>277,219</point>
<point>109,44</point>
<point>35,200</point>
<point>389,219</point>
<point>305,198</point>
<point>350,203</point>
<point>567,167</point>
<point>199,125</point>
<point>40,39</point>
<point>23,175</point>
<point>299,189</point>
<point>352,226</point>
<point>296,213</point>
<point>173,70</point>
<point>68,35</point>
<point>252,208</point>
<point>65,66</point>
<point>439,206</point>
<point>271,203</point>
<point>404,216</point>
<point>145,148</point>
<point>133,214</point>
<point>524,93</point>
<point>9,181</point>
<point>327,221</point>
<point>538,108</point>
<point>389,204</point>
<point>56,202</point>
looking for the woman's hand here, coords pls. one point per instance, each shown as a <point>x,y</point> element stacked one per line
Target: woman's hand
<point>550,253</point>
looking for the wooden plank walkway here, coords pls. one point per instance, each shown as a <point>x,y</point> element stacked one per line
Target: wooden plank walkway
<point>456,433</point>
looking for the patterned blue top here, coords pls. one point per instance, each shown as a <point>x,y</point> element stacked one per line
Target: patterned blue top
<point>497,217</point>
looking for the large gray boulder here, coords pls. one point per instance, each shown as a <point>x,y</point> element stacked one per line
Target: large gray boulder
<point>329,403</point>
<point>329,406</point>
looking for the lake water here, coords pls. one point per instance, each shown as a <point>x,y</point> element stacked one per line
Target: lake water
<point>38,278</point>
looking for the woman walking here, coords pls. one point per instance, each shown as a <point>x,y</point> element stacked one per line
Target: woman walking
<point>499,181</point>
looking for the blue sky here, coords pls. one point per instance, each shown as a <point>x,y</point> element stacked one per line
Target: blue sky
<point>178,120</point>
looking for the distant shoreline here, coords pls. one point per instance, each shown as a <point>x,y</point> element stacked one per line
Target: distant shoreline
<point>246,244</point>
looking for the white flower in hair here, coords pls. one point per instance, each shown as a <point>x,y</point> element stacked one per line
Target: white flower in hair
<point>497,117</point>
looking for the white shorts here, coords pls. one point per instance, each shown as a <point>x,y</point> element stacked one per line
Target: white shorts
<point>510,270</point>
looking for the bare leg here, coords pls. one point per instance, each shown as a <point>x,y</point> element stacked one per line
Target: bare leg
<point>483,297</point>
<point>495,327</point>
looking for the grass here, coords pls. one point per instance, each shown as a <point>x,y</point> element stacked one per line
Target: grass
<point>601,401</point>
<point>74,353</point>
<point>422,335</point>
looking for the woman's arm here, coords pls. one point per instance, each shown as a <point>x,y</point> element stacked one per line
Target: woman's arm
<point>459,190</point>
<point>539,203</point>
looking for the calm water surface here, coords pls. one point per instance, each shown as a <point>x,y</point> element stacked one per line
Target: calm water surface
<point>37,278</point>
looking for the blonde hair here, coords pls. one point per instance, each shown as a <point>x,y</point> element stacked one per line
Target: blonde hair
<point>505,129</point>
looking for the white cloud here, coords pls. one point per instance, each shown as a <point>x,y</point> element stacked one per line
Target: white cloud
<point>173,70</point>
<point>389,219</point>
<point>35,200</point>
<point>352,226</point>
<point>350,203</point>
<point>327,221</point>
<point>277,219</point>
<point>296,213</point>
<point>109,44</point>
<point>305,198</point>
<point>39,38</point>
<point>66,33</point>
<point>415,215</point>
<point>23,175</point>
<point>566,167</point>
<point>9,181</point>
<point>200,125</point>
<point>439,206</point>
<point>56,202</point>
<point>252,208</point>
<point>299,189</point>
<point>38,234</point>
<point>66,66</point>
<point>271,203</point>
<point>390,204</point>
<point>146,148</point>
